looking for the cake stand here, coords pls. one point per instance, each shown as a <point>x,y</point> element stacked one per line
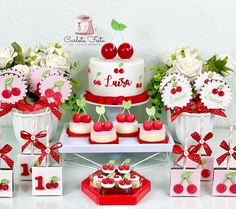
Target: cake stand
<point>80,145</point>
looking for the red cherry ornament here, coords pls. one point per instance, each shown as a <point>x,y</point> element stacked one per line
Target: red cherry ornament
<point>109,51</point>
<point>125,51</point>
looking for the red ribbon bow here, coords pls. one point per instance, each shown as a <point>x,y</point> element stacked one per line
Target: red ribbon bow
<point>6,149</point>
<point>32,139</point>
<point>190,153</point>
<point>202,142</point>
<point>230,151</point>
<point>49,151</point>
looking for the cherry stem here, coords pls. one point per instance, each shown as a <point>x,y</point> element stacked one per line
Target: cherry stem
<point>99,118</point>
<point>188,180</point>
<point>149,118</point>
<point>121,34</point>
<point>104,118</point>
<point>123,111</point>
<point>84,111</point>
<point>232,181</point>
<point>114,35</point>
<point>224,180</point>
<point>154,117</point>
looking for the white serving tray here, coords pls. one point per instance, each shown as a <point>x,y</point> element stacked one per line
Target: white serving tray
<point>126,145</point>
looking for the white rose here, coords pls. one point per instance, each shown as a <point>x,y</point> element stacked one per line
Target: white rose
<point>57,61</point>
<point>6,56</point>
<point>188,66</point>
<point>24,69</point>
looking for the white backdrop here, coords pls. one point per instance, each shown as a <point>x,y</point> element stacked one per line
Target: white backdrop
<point>155,27</point>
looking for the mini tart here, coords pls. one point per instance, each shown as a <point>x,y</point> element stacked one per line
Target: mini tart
<point>125,186</point>
<point>126,129</point>
<point>79,129</point>
<point>152,136</point>
<point>96,182</point>
<point>108,185</point>
<point>135,181</point>
<point>103,137</point>
<point>108,171</point>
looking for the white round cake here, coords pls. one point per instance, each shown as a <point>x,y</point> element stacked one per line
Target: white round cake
<point>111,81</point>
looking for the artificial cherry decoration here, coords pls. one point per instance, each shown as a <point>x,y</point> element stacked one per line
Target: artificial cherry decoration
<point>125,51</point>
<point>109,51</point>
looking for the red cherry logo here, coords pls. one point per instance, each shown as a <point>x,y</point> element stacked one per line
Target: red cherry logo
<point>178,188</point>
<point>232,188</point>
<point>49,93</point>
<point>15,91</point>
<point>54,185</point>
<point>6,94</point>
<point>121,70</point>
<point>57,96</point>
<point>179,89</point>
<point>109,51</point>
<point>173,91</point>
<point>205,173</point>
<point>125,51</point>
<point>191,188</point>
<point>48,186</point>
<point>214,91</point>
<point>221,188</point>
<point>116,70</point>
<point>221,93</point>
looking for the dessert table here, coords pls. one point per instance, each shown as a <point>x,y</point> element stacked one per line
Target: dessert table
<point>73,174</point>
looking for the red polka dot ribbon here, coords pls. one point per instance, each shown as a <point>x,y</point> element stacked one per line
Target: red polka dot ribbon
<point>191,154</point>
<point>5,150</point>
<point>32,138</point>
<point>202,142</point>
<point>230,152</point>
<point>51,151</point>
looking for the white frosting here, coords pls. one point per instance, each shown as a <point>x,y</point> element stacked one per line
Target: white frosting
<point>124,171</point>
<point>95,178</point>
<point>80,128</point>
<point>108,185</point>
<point>108,171</point>
<point>152,135</point>
<point>117,179</point>
<point>103,136</point>
<point>126,127</point>
<point>125,186</point>
<point>136,178</point>
<point>133,70</point>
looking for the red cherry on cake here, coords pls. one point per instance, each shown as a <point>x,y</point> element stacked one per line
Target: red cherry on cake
<point>147,125</point>
<point>121,167</point>
<point>173,91</point>
<point>15,91</point>
<point>111,181</point>
<point>191,188</point>
<point>125,51</point>
<point>105,181</point>
<point>49,93</point>
<point>86,118</point>
<point>108,126</point>
<point>57,96</point>
<point>130,118</point>
<point>221,93</point>
<point>122,182</point>
<point>48,186</point>
<point>232,188</point>
<point>178,188</point>
<point>111,167</point>
<point>126,167</point>
<point>157,125</point>
<point>77,118</point>
<point>105,167</point>
<point>121,70</point>
<point>178,89</point>
<point>109,51</point>
<point>205,173</point>
<point>99,82</point>
<point>97,126</point>
<point>221,188</point>
<point>6,93</point>
<point>214,91</point>
<point>121,117</point>
<point>128,182</point>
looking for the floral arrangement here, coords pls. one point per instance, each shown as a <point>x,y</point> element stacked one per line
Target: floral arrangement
<point>27,60</point>
<point>189,63</point>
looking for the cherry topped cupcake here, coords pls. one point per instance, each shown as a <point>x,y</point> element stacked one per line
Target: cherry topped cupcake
<point>152,131</point>
<point>108,167</point>
<point>124,168</point>
<point>125,185</point>
<point>96,180</point>
<point>81,124</point>
<point>126,125</point>
<point>107,185</point>
<point>136,181</point>
<point>103,132</point>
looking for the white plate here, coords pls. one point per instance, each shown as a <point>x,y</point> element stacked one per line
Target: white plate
<point>126,145</point>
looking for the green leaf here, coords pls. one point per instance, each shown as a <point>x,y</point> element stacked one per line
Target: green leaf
<point>127,161</point>
<point>36,163</point>
<point>8,81</point>
<point>46,73</point>
<point>117,26</point>
<point>127,105</point>
<point>98,74</point>
<point>230,175</point>
<point>110,175</point>
<point>151,111</point>
<point>140,77</point>
<point>121,64</point>
<point>111,162</point>
<point>186,174</point>
<point>81,102</point>
<point>5,181</point>
<point>19,59</point>
<point>17,47</point>
<point>220,87</point>
<point>100,110</point>
<point>59,83</point>
<point>54,179</point>
<point>127,176</point>
<point>57,45</point>
<point>204,160</point>
<point>33,57</point>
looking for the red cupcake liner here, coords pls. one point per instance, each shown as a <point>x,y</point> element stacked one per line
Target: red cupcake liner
<point>72,134</point>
